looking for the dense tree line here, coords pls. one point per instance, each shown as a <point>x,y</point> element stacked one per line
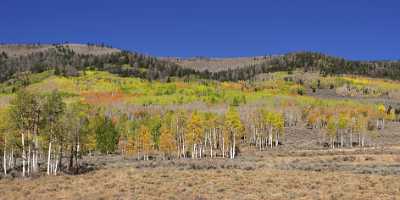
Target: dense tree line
<point>66,62</point>
<point>310,61</point>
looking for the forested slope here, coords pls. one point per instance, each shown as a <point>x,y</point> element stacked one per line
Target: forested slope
<point>69,59</point>
<point>310,61</point>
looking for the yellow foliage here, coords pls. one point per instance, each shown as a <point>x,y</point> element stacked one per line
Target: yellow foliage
<point>194,128</point>
<point>167,140</point>
<point>144,139</point>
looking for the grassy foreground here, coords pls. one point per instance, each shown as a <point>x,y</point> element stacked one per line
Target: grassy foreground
<point>240,179</point>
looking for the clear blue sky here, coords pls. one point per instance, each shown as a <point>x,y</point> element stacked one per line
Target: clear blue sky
<point>355,29</point>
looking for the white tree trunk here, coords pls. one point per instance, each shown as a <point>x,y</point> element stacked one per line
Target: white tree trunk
<point>33,161</point>
<point>56,165</point>
<point>5,159</point>
<point>351,139</point>
<point>23,155</point>
<point>49,159</point>
<point>211,143</point>
<point>362,140</point>
<point>341,140</point>
<point>234,146</point>
<point>35,153</point>
<point>223,147</point>
<point>11,163</point>
<point>183,148</point>
<point>270,138</point>
<point>29,159</point>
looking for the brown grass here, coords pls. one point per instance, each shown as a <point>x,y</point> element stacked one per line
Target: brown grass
<point>161,180</point>
<point>286,172</point>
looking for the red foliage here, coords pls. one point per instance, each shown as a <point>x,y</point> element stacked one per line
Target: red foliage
<point>103,98</point>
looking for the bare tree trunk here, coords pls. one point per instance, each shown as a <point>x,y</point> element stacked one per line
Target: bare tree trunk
<point>77,154</point>
<point>211,142</point>
<point>23,155</point>
<point>56,165</point>
<point>194,151</point>
<point>49,159</point>
<point>183,147</point>
<point>35,155</point>
<point>60,155</point>
<point>5,157</point>
<point>234,146</point>
<point>351,139</point>
<point>11,163</point>
<point>270,138</point>
<point>29,159</point>
<point>203,149</point>
<point>223,147</point>
<point>341,139</point>
<point>71,158</point>
<point>362,140</point>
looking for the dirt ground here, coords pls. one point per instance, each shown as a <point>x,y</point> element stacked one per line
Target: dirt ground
<point>291,171</point>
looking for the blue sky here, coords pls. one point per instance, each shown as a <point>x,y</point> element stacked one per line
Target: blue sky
<point>355,29</point>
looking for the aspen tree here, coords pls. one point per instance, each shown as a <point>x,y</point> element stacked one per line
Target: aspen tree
<point>124,128</point>
<point>22,114</point>
<point>167,142</point>
<point>76,123</point>
<point>4,134</point>
<point>53,109</point>
<point>332,129</point>
<point>234,128</point>
<point>392,115</point>
<point>167,138</point>
<point>194,129</point>
<point>144,141</point>
<point>361,127</point>
<point>179,122</point>
<point>343,123</point>
<point>380,122</point>
<point>278,124</point>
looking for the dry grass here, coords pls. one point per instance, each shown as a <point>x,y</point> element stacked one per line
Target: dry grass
<point>244,178</point>
<point>287,172</point>
<point>170,183</point>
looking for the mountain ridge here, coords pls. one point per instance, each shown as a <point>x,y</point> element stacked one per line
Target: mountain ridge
<point>70,58</point>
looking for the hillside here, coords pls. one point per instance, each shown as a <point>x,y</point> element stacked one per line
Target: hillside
<point>147,160</point>
<point>193,138</point>
<point>16,50</point>
<point>218,64</point>
<point>67,59</point>
<point>234,69</point>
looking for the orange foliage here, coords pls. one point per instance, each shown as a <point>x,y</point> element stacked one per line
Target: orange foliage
<point>231,85</point>
<point>103,98</point>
